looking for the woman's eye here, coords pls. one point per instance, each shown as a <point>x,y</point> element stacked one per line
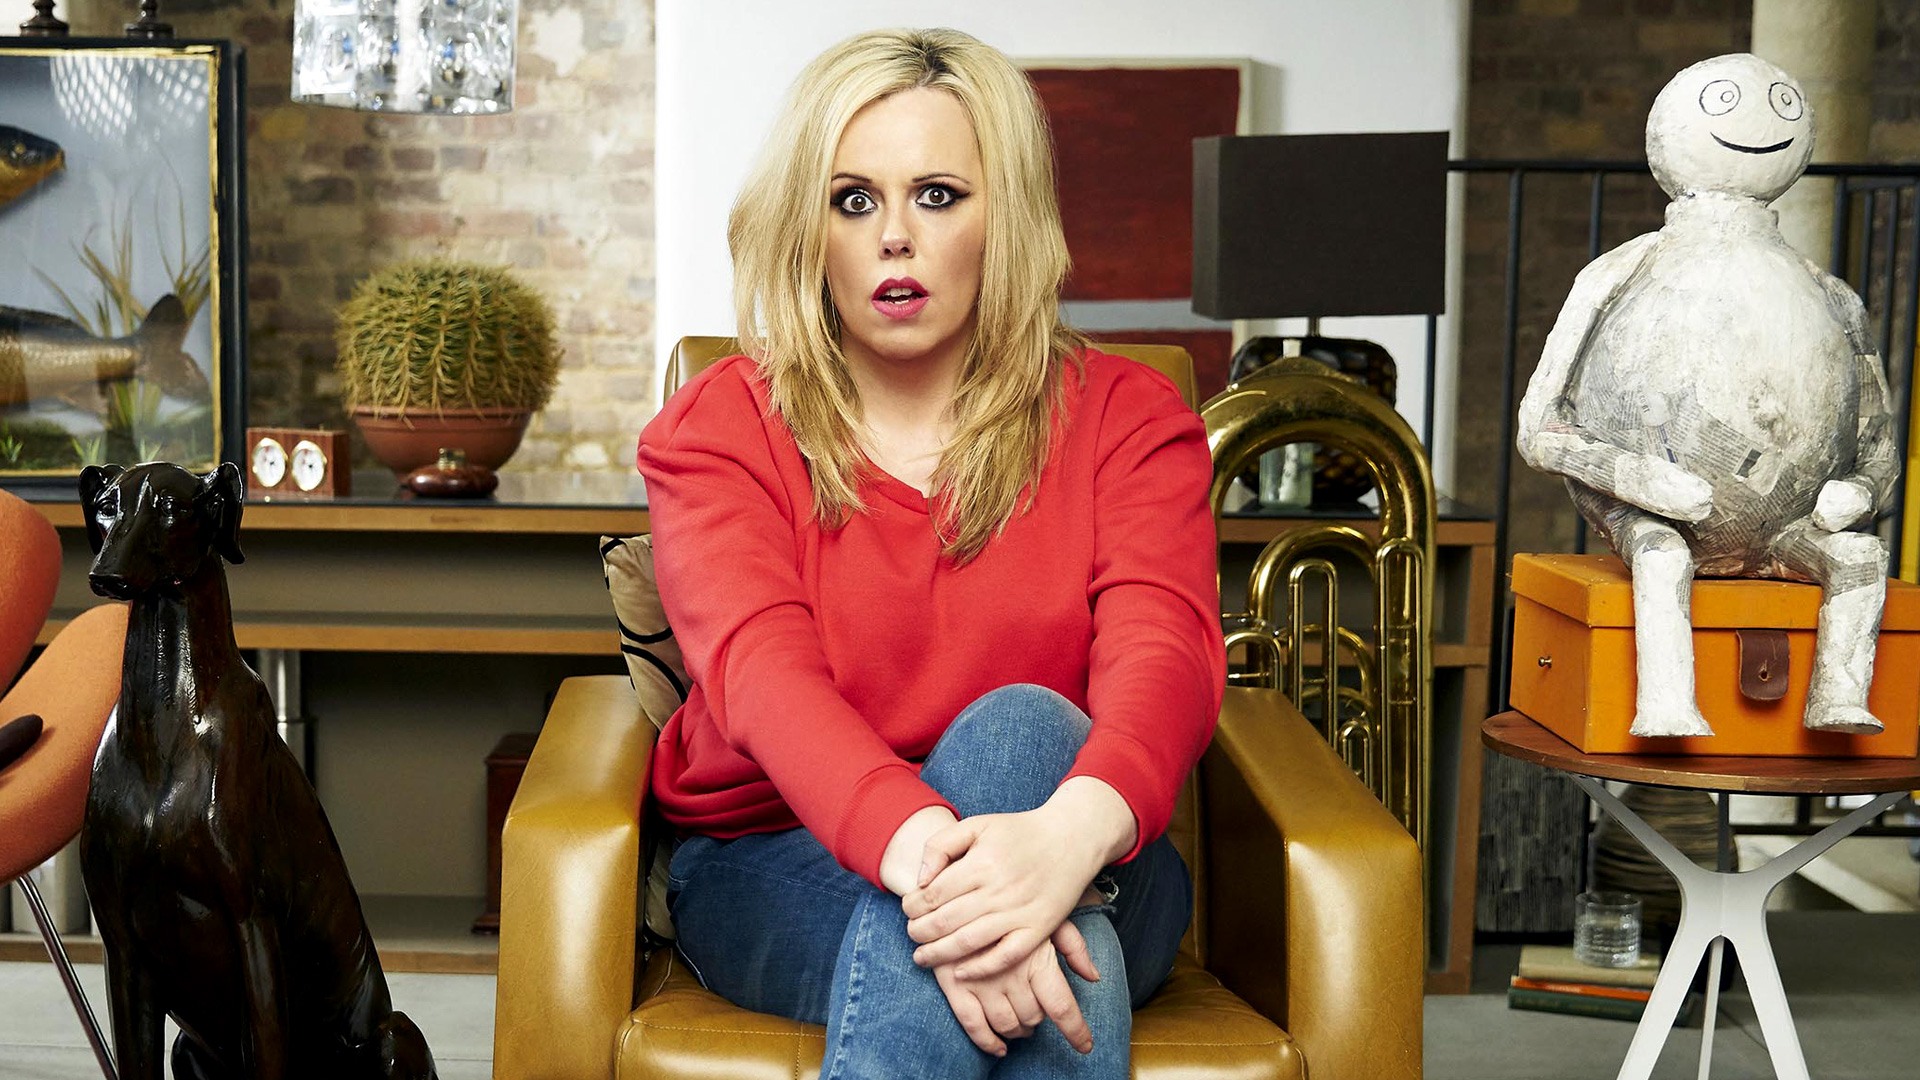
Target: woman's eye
<point>853,202</point>
<point>938,196</point>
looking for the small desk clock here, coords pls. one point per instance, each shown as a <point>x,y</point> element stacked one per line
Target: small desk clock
<point>298,463</point>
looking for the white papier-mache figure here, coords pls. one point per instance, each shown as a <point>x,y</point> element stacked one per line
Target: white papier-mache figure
<point>1715,401</point>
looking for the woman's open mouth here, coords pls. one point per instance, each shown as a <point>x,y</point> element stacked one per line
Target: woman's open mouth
<point>899,298</point>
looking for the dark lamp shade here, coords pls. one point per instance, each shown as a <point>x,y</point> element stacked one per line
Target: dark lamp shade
<point>1315,225</point>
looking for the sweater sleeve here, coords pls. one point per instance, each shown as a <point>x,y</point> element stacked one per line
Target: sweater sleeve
<point>725,550</point>
<point>1158,666</point>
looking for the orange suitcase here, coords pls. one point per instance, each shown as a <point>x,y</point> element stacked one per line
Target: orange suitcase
<point>1573,663</point>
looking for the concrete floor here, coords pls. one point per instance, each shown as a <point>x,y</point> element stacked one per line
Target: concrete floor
<point>41,1039</point>
<point>1853,978</point>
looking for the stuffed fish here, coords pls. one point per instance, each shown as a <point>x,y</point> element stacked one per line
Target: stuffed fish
<point>43,356</point>
<point>25,160</point>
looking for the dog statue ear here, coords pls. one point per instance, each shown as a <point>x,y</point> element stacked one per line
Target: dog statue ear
<point>93,480</point>
<point>224,494</point>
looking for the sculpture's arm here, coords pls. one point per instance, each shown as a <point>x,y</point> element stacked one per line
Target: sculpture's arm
<point>1866,491</point>
<point>1551,439</point>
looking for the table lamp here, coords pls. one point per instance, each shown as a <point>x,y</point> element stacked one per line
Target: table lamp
<point>1319,225</point>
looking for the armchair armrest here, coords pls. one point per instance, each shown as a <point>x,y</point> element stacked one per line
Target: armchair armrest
<point>570,886</point>
<point>1315,909</point>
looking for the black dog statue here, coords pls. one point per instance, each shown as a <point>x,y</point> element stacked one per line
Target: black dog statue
<point>221,895</point>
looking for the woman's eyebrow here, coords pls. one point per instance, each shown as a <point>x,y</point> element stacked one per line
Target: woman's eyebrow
<point>921,179</point>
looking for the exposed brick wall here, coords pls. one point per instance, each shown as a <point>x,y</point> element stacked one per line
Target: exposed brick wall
<point>1895,135</point>
<point>560,190</point>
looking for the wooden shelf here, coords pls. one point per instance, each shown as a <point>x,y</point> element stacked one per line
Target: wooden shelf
<point>407,517</point>
<point>413,632</point>
<point>430,934</point>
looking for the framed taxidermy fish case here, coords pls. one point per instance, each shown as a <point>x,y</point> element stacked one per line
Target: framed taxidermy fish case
<point>121,333</point>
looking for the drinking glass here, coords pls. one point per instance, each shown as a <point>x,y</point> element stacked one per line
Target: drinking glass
<point>1606,929</point>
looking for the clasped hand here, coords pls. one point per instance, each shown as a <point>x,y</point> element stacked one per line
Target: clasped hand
<point>991,916</point>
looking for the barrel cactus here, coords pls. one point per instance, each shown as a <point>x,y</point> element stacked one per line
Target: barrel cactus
<point>427,335</point>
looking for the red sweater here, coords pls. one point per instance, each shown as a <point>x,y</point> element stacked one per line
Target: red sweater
<point>826,663</point>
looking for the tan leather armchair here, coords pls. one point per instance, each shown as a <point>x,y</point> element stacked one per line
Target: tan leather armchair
<point>1306,950</point>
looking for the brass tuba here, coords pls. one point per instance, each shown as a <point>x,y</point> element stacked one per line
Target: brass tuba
<point>1379,718</point>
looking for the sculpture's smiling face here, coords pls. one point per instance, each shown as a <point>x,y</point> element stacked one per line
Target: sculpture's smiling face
<point>1734,124</point>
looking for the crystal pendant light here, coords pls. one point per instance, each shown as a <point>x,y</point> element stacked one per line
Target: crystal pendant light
<point>414,56</point>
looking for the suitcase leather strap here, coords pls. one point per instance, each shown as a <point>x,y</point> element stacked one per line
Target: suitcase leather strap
<point>1763,664</point>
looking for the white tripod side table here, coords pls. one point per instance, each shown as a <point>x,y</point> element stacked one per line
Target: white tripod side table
<point>1716,906</point>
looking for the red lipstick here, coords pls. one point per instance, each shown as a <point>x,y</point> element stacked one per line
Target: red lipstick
<point>899,298</point>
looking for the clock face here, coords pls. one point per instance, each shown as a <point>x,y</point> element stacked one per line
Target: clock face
<point>269,462</point>
<point>309,465</point>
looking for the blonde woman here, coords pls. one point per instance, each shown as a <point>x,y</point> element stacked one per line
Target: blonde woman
<point>944,579</point>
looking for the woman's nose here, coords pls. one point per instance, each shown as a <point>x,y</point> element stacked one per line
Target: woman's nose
<point>895,246</point>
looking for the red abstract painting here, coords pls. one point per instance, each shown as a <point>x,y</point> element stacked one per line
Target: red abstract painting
<point>1123,139</point>
<point>1123,145</point>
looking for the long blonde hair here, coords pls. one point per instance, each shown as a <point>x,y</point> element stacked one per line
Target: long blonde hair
<point>1006,403</point>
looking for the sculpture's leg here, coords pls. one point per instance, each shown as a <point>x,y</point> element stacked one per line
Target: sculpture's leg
<point>192,1061</point>
<point>1662,568</point>
<point>1851,569</point>
<point>139,1020</point>
<point>263,1046</point>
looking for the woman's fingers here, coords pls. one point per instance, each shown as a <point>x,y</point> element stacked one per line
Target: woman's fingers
<point>1056,999</point>
<point>1016,946</point>
<point>1000,1015</point>
<point>933,925</point>
<point>943,847</point>
<point>1026,1005</point>
<point>1072,948</point>
<point>977,935</point>
<point>972,1016</point>
<point>954,882</point>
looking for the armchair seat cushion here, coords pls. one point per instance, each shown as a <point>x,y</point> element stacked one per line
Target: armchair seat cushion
<point>1193,1029</point>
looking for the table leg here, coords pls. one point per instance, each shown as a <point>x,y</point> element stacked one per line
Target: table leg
<point>280,670</point>
<point>1724,862</point>
<point>1715,905</point>
<point>1746,919</point>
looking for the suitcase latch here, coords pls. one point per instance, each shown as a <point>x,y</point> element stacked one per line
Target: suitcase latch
<point>1763,664</point>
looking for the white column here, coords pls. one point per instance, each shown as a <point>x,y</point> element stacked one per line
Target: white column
<point>1828,46</point>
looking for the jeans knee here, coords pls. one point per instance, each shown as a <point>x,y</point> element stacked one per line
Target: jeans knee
<point>1007,751</point>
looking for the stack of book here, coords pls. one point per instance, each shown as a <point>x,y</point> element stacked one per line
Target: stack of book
<point>1551,979</point>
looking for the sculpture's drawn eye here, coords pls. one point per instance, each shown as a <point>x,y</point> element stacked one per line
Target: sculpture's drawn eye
<point>1720,96</point>
<point>1786,101</point>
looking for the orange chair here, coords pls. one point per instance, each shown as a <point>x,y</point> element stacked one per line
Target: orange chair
<point>72,687</point>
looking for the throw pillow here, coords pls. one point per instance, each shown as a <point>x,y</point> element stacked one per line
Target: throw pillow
<point>659,678</point>
<point>653,657</point>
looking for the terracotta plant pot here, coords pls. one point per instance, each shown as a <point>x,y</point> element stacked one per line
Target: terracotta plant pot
<point>405,442</point>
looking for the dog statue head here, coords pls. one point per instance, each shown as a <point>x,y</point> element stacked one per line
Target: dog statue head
<point>156,524</point>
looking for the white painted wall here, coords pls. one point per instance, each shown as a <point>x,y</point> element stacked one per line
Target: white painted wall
<point>1321,67</point>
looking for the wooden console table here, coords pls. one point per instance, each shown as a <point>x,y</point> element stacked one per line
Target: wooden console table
<point>518,574</point>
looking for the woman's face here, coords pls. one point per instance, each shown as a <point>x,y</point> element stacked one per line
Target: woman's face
<point>906,228</point>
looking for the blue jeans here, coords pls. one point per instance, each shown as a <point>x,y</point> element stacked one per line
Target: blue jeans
<point>772,923</point>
